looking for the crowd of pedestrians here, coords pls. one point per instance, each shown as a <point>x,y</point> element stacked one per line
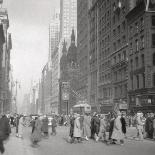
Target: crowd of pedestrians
<point>111,130</point>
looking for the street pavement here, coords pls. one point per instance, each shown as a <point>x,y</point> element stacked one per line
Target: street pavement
<point>57,145</point>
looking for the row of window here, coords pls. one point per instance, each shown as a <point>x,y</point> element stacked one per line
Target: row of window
<point>136,27</point>
<point>120,91</point>
<point>138,81</point>
<point>137,61</point>
<point>120,75</point>
<point>104,78</point>
<point>120,29</point>
<point>137,45</point>
<point>119,43</point>
<point>119,57</point>
<point>104,66</point>
<point>105,92</point>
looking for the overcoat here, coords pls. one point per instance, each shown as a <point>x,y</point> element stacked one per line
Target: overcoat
<point>117,130</point>
<point>87,126</point>
<point>77,128</point>
<point>36,135</point>
<point>21,126</point>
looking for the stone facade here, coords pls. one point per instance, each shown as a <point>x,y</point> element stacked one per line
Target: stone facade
<point>141,83</point>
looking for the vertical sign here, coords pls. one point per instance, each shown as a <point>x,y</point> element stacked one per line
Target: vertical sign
<point>65,91</point>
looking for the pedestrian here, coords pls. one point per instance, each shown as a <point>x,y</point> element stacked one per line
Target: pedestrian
<point>77,128</point>
<point>71,132</point>
<point>117,133</point>
<point>102,131</point>
<point>96,126</point>
<point>45,126</point>
<point>21,127</point>
<point>139,126</point>
<point>17,123</point>
<point>92,126</point>
<point>54,125</point>
<point>87,126</point>
<point>5,131</point>
<point>36,135</point>
<point>123,121</point>
<point>111,126</point>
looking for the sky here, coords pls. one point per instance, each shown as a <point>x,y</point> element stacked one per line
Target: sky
<point>29,25</point>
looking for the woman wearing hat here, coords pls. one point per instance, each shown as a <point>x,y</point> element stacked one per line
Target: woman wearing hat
<point>77,128</point>
<point>117,130</point>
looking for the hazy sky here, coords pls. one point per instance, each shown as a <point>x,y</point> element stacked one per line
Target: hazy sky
<point>29,23</point>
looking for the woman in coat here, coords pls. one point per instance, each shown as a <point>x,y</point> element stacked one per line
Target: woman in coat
<point>77,128</point>
<point>20,127</point>
<point>117,130</point>
<point>36,135</point>
<point>87,126</point>
<point>45,126</point>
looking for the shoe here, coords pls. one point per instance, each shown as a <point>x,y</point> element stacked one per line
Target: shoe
<point>87,138</point>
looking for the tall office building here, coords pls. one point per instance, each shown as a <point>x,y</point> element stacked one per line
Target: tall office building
<point>54,30</point>
<point>83,46</point>
<point>68,19</point>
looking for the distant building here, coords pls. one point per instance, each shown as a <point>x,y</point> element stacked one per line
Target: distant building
<point>6,46</point>
<point>54,33</point>
<point>68,19</point>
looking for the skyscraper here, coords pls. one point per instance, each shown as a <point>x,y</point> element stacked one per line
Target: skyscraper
<point>54,32</point>
<point>68,18</point>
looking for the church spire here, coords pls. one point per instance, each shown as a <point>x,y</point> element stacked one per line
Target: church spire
<point>73,36</point>
<point>64,49</point>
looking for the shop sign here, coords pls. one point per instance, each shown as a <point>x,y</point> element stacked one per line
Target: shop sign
<point>123,106</point>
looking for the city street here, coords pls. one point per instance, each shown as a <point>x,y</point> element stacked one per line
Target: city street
<point>57,145</point>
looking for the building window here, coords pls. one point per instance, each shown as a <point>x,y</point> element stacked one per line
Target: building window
<point>136,26</point>
<point>119,30</point>
<point>131,64</point>
<point>137,45</point>
<point>124,55</point>
<point>142,42</point>
<point>153,40</point>
<point>119,43</point>
<point>114,32</point>
<point>153,59</point>
<point>124,39</point>
<point>131,48</point>
<point>143,76</point>
<point>136,62</point>
<point>123,26</point>
<point>142,22</point>
<point>153,20</point>
<point>137,79</point>
<point>114,46</point>
<point>153,79</point>
<point>119,57</point>
<point>132,82</point>
<point>143,60</point>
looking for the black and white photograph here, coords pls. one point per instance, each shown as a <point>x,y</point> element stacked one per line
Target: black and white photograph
<point>77,77</point>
